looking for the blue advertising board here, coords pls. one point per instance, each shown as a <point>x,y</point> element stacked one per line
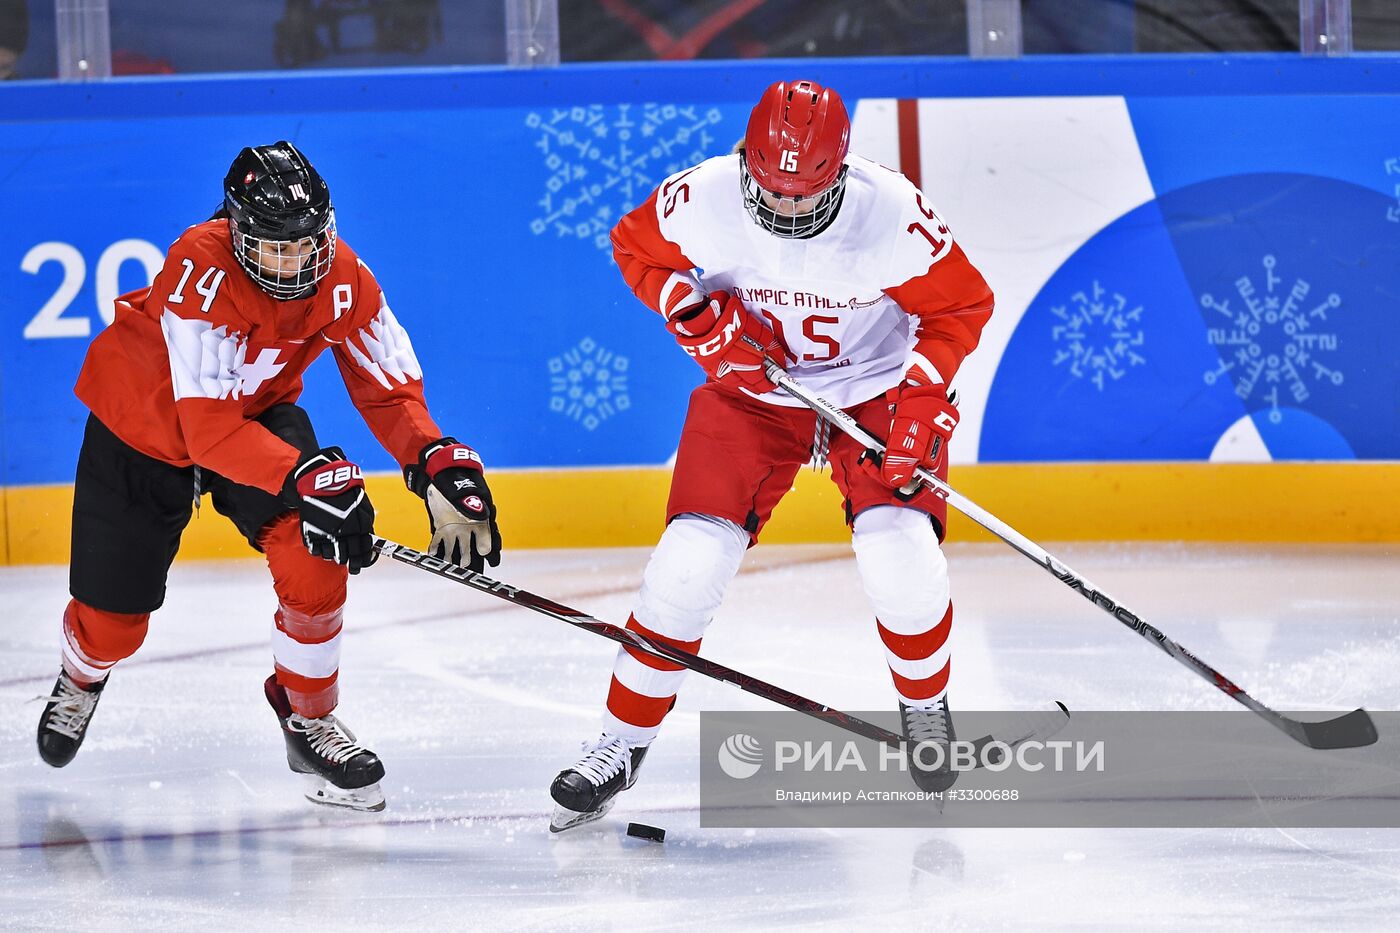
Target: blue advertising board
<point>1249,279</point>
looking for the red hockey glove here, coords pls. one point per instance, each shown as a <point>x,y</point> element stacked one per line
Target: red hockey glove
<point>714,336</point>
<point>337,520</point>
<point>923,424</point>
<point>461,513</point>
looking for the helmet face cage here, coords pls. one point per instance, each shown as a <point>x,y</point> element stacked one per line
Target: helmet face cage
<point>281,221</point>
<point>271,262</point>
<point>787,216</point>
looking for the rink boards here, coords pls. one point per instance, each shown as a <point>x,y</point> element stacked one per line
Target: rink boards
<point>1196,263</point>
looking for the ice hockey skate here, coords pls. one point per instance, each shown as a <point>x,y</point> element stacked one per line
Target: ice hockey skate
<point>65,719</point>
<point>338,771</point>
<point>588,790</point>
<point>933,726</point>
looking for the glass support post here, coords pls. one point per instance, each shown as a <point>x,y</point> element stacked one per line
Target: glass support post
<point>994,28</point>
<point>1324,27</point>
<point>532,33</point>
<point>84,33</point>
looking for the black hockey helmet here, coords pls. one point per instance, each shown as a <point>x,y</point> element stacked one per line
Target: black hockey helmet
<point>279,208</point>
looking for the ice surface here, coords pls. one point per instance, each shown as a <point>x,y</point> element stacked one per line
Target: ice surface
<point>180,813</point>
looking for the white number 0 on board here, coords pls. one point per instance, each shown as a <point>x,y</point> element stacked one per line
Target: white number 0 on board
<point>50,320</point>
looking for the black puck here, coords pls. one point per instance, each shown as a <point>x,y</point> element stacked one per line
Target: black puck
<point>643,831</point>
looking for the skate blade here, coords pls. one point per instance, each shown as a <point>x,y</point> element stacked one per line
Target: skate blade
<point>565,819</point>
<point>368,798</point>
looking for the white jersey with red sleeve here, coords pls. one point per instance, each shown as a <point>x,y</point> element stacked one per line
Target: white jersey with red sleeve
<point>882,294</point>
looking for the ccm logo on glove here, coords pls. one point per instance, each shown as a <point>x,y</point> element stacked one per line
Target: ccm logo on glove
<point>922,424</point>
<point>723,338</point>
<point>730,344</point>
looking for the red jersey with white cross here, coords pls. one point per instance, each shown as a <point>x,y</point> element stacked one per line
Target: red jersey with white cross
<point>883,293</point>
<point>189,362</point>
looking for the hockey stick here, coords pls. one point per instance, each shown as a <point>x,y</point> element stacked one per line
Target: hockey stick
<point>1350,730</point>
<point>623,636</point>
<point>1044,725</point>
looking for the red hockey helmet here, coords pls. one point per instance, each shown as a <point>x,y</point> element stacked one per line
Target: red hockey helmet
<point>793,168</point>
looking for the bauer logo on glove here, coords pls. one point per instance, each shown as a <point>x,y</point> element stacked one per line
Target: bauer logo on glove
<point>449,477</point>
<point>461,452</point>
<point>338,479</point>
<point>337,519</point>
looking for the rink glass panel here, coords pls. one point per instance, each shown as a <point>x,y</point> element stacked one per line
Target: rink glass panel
<point>157,38</point>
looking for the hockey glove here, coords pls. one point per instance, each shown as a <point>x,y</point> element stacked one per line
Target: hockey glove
<point>923,423</point>
<point>337,520</point>
<point>714,334</point>
<point>448,476</point>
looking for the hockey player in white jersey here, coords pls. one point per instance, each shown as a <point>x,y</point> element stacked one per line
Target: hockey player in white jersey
<point>844,272</point>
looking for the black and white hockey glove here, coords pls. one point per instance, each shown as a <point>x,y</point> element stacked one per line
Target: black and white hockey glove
<point>337,520</point>
<point>448,476</point>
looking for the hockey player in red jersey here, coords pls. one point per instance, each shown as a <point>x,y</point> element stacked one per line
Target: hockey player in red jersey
<point>842,270</point>
<point>192,390</point>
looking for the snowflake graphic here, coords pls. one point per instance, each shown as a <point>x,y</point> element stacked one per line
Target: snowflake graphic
<point>588,383</point>
<point>603,161</point>
<point>1099,337</point>
<point>1392,212</point>
<point>1274,341</point>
